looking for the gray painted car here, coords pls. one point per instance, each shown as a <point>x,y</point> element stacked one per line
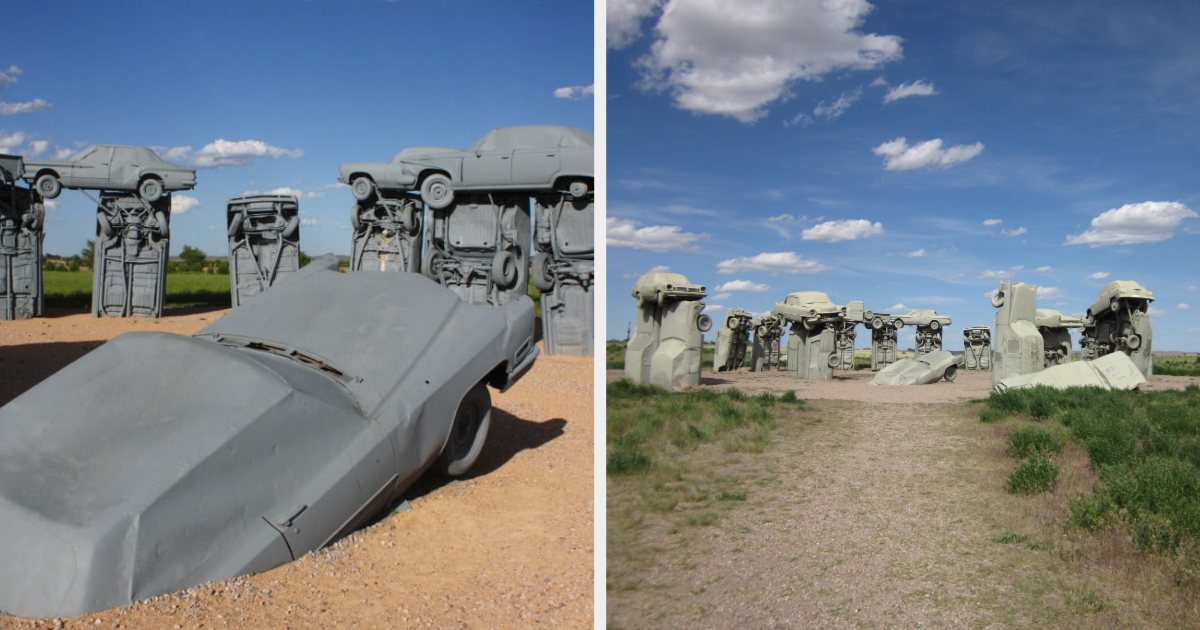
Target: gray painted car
<point>158,462</point>
<point>110,167</point>
<point>531,158</point>
<point>929,368</point>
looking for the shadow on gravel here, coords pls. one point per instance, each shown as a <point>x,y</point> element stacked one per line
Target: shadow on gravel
<point>24,366</point>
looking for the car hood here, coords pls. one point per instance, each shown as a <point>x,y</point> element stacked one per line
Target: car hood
<point>151,438</point>
<point>928,369</point>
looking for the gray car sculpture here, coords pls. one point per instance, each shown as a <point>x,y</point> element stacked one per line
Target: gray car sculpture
<point>665,349</point>
<point>264,243</point>
<point>22,217</point>
<point>532,158</point>
<point>1119,321</point>
<point>732,339</point>
<point>929,368</point>
<point>110,167</point>
<point>764,355</point>
<point>1019,347</point>
<point>977,348</point>
<point>158,462</point>
<point>1056,335</point>
<point>812,351</point>
<point>563,270</point>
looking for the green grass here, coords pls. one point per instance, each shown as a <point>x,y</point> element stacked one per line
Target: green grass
<point>1144,446</point>
<point>1033,440</point>
<point>1034,475</point>
<point>1177,366</point>
<point>74,289</point>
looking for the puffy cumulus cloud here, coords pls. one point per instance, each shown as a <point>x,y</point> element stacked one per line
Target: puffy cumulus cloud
<point>1156,312</point>
<point>722,296</point>
<point>221,153</point>
<point>37,147</point>
<point>10,141</point>
<point>1049,293</point>
<point>1099,275</point>
<point>993,222</point>
<point>839,106</point>
<point>1017,232</point>
<point>656,238</point>
<point>575,92</point>
<point>743,286</point>
<point>1182,306</point>
<point>180,204</point>
<point>898,307</point>
<point>36,105</point>
<point>733,57</point>
<point>904,90</point>
<point>623,20</point>
<point>898,156</point>
<point>773,263</point>
<point>843,230</point>
<point>1146,222</point>
<point>1046,269</point>
<point>712,308</point>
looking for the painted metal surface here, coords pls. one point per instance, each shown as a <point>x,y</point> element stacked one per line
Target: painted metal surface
<point>479,248</point>
<point>1019,347</point>
<point>977,348</point>
<point>764,354</point>
<point>665,349</point>
<point>132,249</point>
<point>883,346</point>
<point>110,167</point>
<point>563,270</point>
<point>386,235</point>
<point>732,339</point>
<point>1056,335</point>
<point>1119,321</point>
<point>1112,371</point>
<point>929,368</point>
<point>158,462</point>
<point>22,219</point>
<point>264,243</point>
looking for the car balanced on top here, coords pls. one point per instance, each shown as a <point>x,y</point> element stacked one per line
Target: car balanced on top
<point>110,167</point>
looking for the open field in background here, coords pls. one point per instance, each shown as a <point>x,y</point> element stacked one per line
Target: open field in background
<point>877,511</point>
<point>70,289</point>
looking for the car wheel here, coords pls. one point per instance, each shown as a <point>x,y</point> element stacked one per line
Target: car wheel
<point>1133,341</point>
<point>998,299</point>
<point>48,186</point>
<point>704,323</point>
<point>355,220</point>
<point>436,191</point>
<point>150,189</point>
<point>578,189</point>
<point>1114,305</point>
<point>540,272</point>
<point>878,322</point>
<point>834,361</point>
<point>934,325</point>
<point>761,331</point>
<point>898,323</point>
<point>292,228</point>
<point>235,225</point>
<point>104,225</point>
<point>809,324</point>
<point>468,432</point>
<point>409,216</point>
<point>661,299</point>
<point>362,188</point>
<point>164,226</point>
<point>504,269</point>
<point>951,373</point>
<point>638,296</point>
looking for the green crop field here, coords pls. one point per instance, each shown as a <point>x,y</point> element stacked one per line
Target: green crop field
<point>74,289</point>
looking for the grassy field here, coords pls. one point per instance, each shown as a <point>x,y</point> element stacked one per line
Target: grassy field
<point>1177,365</point>
<point>74,289</point>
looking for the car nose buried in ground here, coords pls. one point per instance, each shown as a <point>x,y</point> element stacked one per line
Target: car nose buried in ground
<point>158,462</point>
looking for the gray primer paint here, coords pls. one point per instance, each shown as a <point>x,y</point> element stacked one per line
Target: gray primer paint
<point>1112,371</point>
<point>812,345</point>
<point>1056,335</point>
<point>564,271</point>
<point>732,339</point>
<point>264,243</point>
<point>132,250</point>
<point>1019,347</point>
<point>977,348</point>
<point>930,368</point>
<point>1119,321</point>
<point>478,247</point>
<point>883,346</point>
<point>665,349</point>
<point>22,218</point>
<point>159,462</point>
<point>764,354</point>
<point>386,234</point>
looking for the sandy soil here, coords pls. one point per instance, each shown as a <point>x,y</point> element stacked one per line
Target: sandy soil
<point>509,547</point>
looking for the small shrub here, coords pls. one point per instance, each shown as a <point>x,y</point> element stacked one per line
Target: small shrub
<point>734,393</point>
<point>627,389</point>
<point>731,496</point>
<point>1028,441</point>
<point>992,414</point>
<point>1034,475</point>
<point>627,461</point>
<point>1087,512</point>
<point>1009,538</point>
<point>766,399</point>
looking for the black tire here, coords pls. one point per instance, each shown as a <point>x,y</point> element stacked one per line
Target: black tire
<point>235,226</point>
<point>355,220</point>
<point>151,189</point>
<point>951,373</point>
<point>998,299</point>
<point>704,323</point>
<point>504,269</point>
<point>467,433</point>
<point>437,192</point>
<point>48,185</point>
<point>834,361</point>
<point>540,274</point>
<point>362,188</point>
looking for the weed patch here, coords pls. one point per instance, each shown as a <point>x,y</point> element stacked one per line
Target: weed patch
<point>1034,475</point>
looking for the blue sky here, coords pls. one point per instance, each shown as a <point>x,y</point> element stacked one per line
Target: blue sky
<point>907,154</point>
<point>263,96</point>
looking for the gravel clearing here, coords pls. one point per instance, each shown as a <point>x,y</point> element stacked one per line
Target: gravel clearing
<point>510,547</point>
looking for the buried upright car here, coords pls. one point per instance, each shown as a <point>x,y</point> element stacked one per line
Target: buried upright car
<point>158,462</point>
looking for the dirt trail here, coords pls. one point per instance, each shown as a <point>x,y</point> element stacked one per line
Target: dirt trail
<point>509,547</point>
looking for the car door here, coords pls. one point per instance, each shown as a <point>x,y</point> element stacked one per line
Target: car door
<point>91,170</point>
<point>489,164</point>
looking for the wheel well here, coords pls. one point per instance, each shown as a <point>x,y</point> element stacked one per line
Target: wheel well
<point>354,176</point>
<point>146,176</point>
<point>427,172</point>
<point>498,377</point>
<point>565,180</point>
<point>46,171</point>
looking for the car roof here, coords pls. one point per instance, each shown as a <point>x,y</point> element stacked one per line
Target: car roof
<point>534,137</point>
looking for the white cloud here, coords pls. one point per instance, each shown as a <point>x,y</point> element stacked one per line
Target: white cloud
<point>656,238</point>
<point>778,224</point>
<point>898,307</point>
<point>623,20</point>
<point>288,190</point>
<point>988,273</point>
<point>993,222</point>
<point>36,147</point>
<point>1046,269</point>
<point>221,153</point>
<point>659,269</point>
<point>1182,306</point>
<point>778,262</point>
<point>310,222</point>
<point>1017,232</point>
<point>63,153</point>
<point>1099,275</point>
<point>9,77</point>
<point>1191,288</point>
<point>992,293</point>
<point>916,88</point>
<point>898,156</point>
<point>880,82</point>
<point>917,254</point>
<point>36,105</point>
<point>180,204</point>
<point>743,285</point>
<point>712,308</point>
<point>1157,312</point>
<point>839,106</point>
<point>10,141</point>
<point>734,58</point>
<point>1146,222</point>
<point>843,230</point>
<point>722,296</point>
<point>575,92</point>
<point>1049,293</point>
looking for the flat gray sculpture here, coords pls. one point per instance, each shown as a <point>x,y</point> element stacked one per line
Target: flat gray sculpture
<point>812,345</point>
<point>764,355</point>
<point>132,249</point>
<point>264,243</point>
<point>110,167</point>
<point>1112,371</point>
<point>564,271</point>
<point>1056,335</point>
<point>665,350</point>
<point>732,339</point>
<point>279,428</point>
<point>387,234</point>
<point>929,368</point>
<point>479,248</point>
<point>883,345</point>
<point>533,158</point>
<point>1119,321</point>
<point>977,348</point>
<point>1019,346</point>
<point>22,217</point>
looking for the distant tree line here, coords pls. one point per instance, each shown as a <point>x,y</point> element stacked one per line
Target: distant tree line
<point>190,260</point>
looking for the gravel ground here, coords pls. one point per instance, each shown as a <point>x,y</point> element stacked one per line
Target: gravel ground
<point>510,547</point>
